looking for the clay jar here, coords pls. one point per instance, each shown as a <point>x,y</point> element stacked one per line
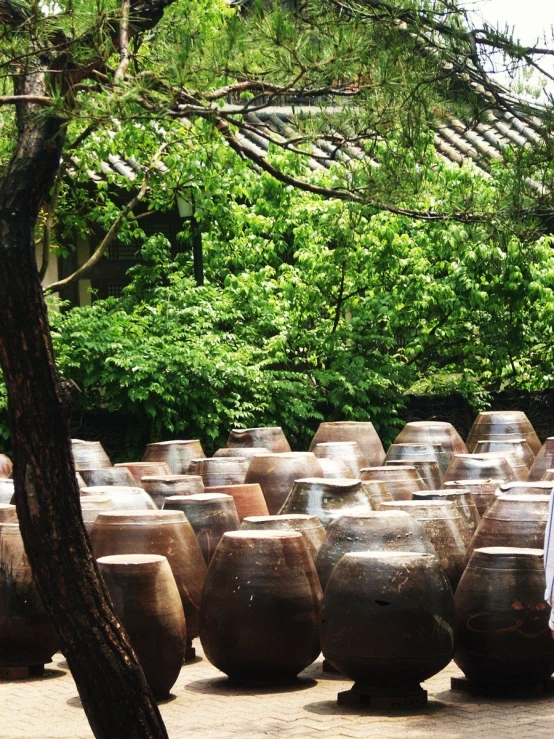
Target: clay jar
<point>346,451</point>
<point>362,432</point>
<point>241,451</point>
<point>333,468</point>
<point>27,637</point>
<point>536,487</point>
<point>270,437</point>
<point>146,601</point>
<point>309,526</point>
<point>427,469</point>
<point>108,476</point>
<point>259,619</point>
<point>479,466</point>
<point>160,487</point>
<point>89,455</point>
<point>543,461</point>
<point>176,454</point>
<point>373,531</point>
<point>139,469</point>
<point>209,514</point>
<point>326,498</point>
<point>123,498</point>
<point>167,533</point>
<point>387,619</point>
<point>92,506</point>
<point>6,490</point>
<point>513,521</point>
<point>401,481</point>
<point>432,432</point>
<point>8,513</point>
<point>447,531</point>
<point>502,631</point>
<point>6,466</point>
<point>249,499</point>
<point>220,470</point>
<point>378,492</point>
<point>501,425</point>
<point>462,500</point>
<point>275,473</point>
<point>482,491</point>
<point>517,447</point>
<point>408,452</point>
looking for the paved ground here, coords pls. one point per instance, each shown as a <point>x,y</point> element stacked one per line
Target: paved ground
<point>204,706</point>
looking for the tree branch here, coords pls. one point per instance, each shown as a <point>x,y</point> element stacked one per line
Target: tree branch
<point>32,99</point>
<point>49,222</point>
<point>124,53</point>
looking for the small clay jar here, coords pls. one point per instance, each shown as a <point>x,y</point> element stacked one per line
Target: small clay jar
<point>427,469</point>
<point>333,468</point>
<point>432,432</point>
<point>6,490</point>
<point>92,506</point>
<point>513,521</point>
<point>517,447</point>
<point>270,437</point>
<point>480,467</point>
<point>8,513</point>
<point>324,498</point>
<point>123,498</point>
<point>461,498</point>
<point>160,487</point>
<point>543,461</point>
<point>108,476</point>
<point>482,491</point>
<point>373,531</point>
<point>309,526</point>
<point>378,492</point>
<point>387,620</point>
<point>249,498</point>
<point>502,628</point>
<point>407,453</point>
<point>177,454</point>
<point>146,601</point>
<point>220,470</point>
<point>401,481</point>
<point>6,466</point>
<point>362,432</point>
<point>167,533</point>
<point>139,469</point>
<point>27,637</point>
<point>209,514</point>
<point>535,487</point>
<point>347,451</point>
<point>446,529</point>
<point>275,473</point>
<point>89,454</point>
<point>502,425</point>
<point>259,619</point>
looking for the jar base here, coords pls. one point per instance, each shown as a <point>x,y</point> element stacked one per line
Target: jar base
<point>501,689</point>
<point>20,672</point>
<point>401,697</point>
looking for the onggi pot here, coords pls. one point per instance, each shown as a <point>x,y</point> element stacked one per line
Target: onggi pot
<point>123,498</point>
<point>346,451</point>
<point>502,425</point>
<point>89,454</point>
<point>362,432</point>
<point>461,498</point>
<point>177,454</point>
<point>543,461</point>
<point>220,470</point>
<point>325,498</point>
<point>160,487</point>
<point>432,432</point>
<point>6,490</point>
<point>401,480</point>
<point>482,491</point>
<point>8,513</point>
<point>6,466</point>
<point>139,469</point>
<point>270,437</point>
<point>275,473</point>
<point>309,526</point>
<point>108,476</point>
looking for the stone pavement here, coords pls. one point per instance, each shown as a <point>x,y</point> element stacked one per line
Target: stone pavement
<point>204,706</point>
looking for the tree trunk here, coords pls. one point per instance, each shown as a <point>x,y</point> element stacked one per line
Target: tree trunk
<point>113,690</point>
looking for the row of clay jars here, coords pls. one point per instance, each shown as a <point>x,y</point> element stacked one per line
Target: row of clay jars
<point>6,466</point>
<point>500,426</point>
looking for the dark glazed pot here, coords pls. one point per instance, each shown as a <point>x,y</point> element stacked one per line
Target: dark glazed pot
<point>513,521</point>
<point>108,476</point>
<point>502,631</point>
<point>123,498</point>
<point>461,498</point>
<point>327,498</point>
<point>270,437</point>
<point>249,499</point>
<point>482,491</point>
<point>27,637</point>
<point>89,455</point>
<point>220,470</point>
<point>401,481</point>
<point>167,533</point>
<point>517,447</point>
<point>387,619</point>
<point>362,432</point>
<point>6,490</point>
<point>309,526</point>
<point>448,532</point>
<point>8,513</point>
<point>146,601</point>
<point>346,451</point>
<point>209,514</point>
<point>6,466</point>
<point>92,506</point>
<point>376,531</point>
<point>543,461</point>
<point>407,453</point>
<point>259,619</point>
<point>432,432</point>
<point>479,467</point>
<point>176,454</point>
<point>427,469</point>
<point>502,425</point>
<point>139,469</point>
<point>160,487</point>
<point>275,473</point>
<point>333,468</point>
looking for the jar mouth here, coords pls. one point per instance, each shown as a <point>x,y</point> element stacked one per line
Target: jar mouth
<point>262,534</point>
<point>176,442</point>
<point>389,555</point>
<point>511,551</point>
<point>171,478</point>
<point>111,490</point>
<point>199,498</point>
<point>132,517</point>
<point>281,517</point>
<point>533,498</point>
<point>331,483</point>
<point>130,559</point>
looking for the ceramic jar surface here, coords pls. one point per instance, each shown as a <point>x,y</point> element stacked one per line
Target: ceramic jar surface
<point>502,425</point>
<point>362,432</point>
<point>89,454</point>
<point>108,476</point>
<point>378,492</point>
<point>249,498</point>
<point>518,447</point>
<point>543,461</point>
<point>432,432</point>
<point>427,469</point>
<point>123,498</point>
<point>346,451</point>
<point>6,466</point>
<point>534,487</point>
<point>160,487</point>
<point>270,437</point>
<point>276,473</point>
<point>333,468</point>
<point>6,490</point>
<point>139,469</point>
<point>479,467</point>
<point>309,526</point>
<point>482,491</point>
<point>92,506</point>
<point>220,470</point>
<point>461,498</point>
<point>326,498</point>
<point>401,481</point>
<point>406,453</point>
<point>8,513</point>
<point>177,454</point>
<point>241,451</point>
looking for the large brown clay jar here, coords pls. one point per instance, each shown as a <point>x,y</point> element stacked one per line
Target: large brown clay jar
<point>513,521</point>
<point>482,491</point>
<point>479,467</point>
<point>362,432</point>
<point>501,425</point>
<point>249,498</point>
<point>387,620</point>
<point>146,601</point>
<point>108,476</point>
<point>259,619</point>
<point>461,498</point>
<point>177,454</point>
<point>160,487</point>
<point>241,451</point>
<point>139,469</point>
<point>92,506</point>
<point>8,513</point>
<point>209,514</point>
<point>376,531</point>
<point>406,453</point>
<point>517,447</point>
<point>123,498</point>
<point>326,498</point>
<point>432,432</point>
<point>401,481</point>
<point>89,454</point>
<point>275,473</point>
<point>27,637</point>
<point>427,469</point>
<point>333,468</point>
<point>6,490</point>
<point>167,533</point>
<point>6,466</point>
<point>270,437</point>
<point>309,526</point>
<point>220,470</point>
<point>378,492</point>
<point>346,451</point>
<point>502,619</point>
<point>543,461</point>
<point>447,531</point>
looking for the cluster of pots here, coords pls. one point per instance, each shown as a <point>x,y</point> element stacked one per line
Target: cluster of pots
<point>390,564</point>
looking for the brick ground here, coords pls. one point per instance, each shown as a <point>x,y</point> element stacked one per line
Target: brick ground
<point>204,706</point>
